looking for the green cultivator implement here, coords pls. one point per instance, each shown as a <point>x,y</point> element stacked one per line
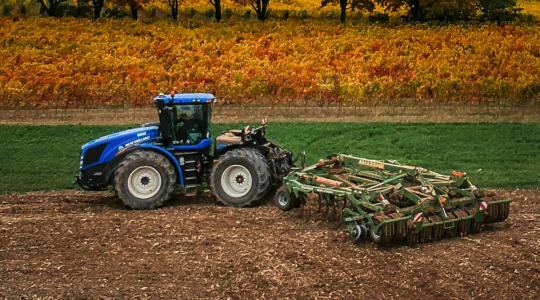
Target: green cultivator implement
<point>391,202</point>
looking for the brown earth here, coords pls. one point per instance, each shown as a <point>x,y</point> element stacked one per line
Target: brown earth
<point>75,244</point>
<point>232,113</point>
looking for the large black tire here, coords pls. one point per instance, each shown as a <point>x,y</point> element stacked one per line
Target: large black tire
<point>135,164</point>
<point>255,163</point>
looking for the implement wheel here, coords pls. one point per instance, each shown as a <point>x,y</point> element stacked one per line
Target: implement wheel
<point>284,200</point>
<point>358,232</point>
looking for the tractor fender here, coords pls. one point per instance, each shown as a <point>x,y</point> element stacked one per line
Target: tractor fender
<point>154,148</point>
<point>171,157</point>
<point>222,148</point>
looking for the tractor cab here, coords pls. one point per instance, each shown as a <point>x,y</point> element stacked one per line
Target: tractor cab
<point>184,118</point>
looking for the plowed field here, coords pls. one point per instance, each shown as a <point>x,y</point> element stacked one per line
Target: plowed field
<point>74,244</point>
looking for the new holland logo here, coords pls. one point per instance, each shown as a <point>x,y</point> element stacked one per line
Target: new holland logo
<point>135,142</point>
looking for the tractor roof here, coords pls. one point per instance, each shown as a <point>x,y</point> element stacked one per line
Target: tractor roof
<point>193,98</point>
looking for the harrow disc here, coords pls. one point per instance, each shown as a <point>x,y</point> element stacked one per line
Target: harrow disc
<point>438,229</point>
<point>475,225</point>
<point>450,226</point>
<point>376,235</point>
<point>465,223</point>
<point>497,211</point>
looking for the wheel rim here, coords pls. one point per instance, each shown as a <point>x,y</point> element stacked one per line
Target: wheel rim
<point>144,182</point>
<point>282,199</point>
<point>356,233</point>
<point>236,181</point>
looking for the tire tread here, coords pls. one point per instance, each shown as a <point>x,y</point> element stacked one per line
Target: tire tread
<point>123,168</point>
<point>261,167</point>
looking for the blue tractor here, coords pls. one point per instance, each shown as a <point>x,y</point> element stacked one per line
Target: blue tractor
<point>145,165</point>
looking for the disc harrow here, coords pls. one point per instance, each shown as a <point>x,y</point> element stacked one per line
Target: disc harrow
<point>389,202</point>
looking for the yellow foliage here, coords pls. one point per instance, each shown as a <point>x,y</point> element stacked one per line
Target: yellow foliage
<point>51,62</point>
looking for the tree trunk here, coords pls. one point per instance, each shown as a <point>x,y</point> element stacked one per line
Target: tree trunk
<point>414,6</point>
<point>258,9</point>
<point>174,8</point>
<point>264,9</point>
<point>261,7</point>
<point>51,9</point>
<point>97,12</point>
<point>174,13</point>
<point>343,8</point>
<point>134,10</point>
<point>217,7</point>
<point>43,9</point>
<point>98,5</point>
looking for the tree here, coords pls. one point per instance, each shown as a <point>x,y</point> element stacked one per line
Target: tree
<point>134,6</point>
<point>342,10</point>
<point>448,10</point>
<point>260,7</point>
<point>98,6</point>
<point>52,8</point>
<point>499,10</point>
<point>414,9</point>
<point>217,9</point>
<point>394,5</point>
<point>353,4</point>
<point>174,4</point>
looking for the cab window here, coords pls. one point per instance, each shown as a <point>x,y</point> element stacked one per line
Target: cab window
<point>191,123</point>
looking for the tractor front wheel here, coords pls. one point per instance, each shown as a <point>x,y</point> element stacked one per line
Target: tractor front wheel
<point>144,180</point>
<point>240,178</point>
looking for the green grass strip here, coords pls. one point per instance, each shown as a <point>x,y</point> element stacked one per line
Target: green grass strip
<point>495,155</point>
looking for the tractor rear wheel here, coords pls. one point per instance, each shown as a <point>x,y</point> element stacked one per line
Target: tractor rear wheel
<point>144,180</point>
<point>240,178</point>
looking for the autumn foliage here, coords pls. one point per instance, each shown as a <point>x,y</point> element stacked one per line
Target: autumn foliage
<point>49,62</point>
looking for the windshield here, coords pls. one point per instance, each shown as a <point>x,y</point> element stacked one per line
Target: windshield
<point>191,123</point>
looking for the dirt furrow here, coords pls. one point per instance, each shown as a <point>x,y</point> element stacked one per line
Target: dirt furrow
<point>78,244</point>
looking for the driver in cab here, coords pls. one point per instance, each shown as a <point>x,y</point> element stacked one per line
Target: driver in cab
<point>186,127</point>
